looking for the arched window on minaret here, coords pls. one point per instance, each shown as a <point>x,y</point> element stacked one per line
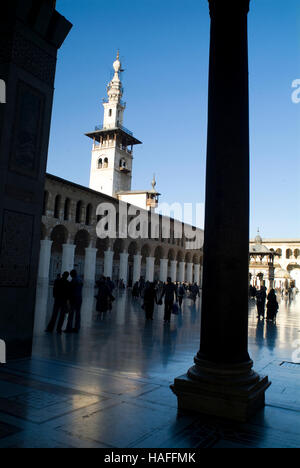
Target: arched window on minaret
<point>122,163</point>
<point>105,165</point>
<point>100,163</point>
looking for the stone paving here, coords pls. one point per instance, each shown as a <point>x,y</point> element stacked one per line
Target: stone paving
<point>108,387</point>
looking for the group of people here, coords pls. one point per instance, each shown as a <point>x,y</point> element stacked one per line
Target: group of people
<point>272,304</point>
<point>67,300</point>
<point>154,292</point>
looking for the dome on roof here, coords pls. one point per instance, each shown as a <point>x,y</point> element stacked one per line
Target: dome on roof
<point>258,238</point>
<point>281,273</point>
<point>259,249</point>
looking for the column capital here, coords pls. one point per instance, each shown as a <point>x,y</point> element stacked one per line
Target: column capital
<point>229,6</point>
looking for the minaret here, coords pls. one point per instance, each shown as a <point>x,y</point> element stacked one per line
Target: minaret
<point>112,153</point>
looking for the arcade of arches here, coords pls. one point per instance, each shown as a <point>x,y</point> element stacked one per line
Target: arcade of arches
<point>69,240</point>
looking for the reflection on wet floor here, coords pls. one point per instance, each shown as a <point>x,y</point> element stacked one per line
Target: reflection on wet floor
<point>109,385</point>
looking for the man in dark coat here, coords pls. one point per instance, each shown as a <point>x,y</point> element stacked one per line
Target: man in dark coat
<point>261,302</point>
<point>170,294</point>
<point>104,296</point>
<point>75,303</point>
<point>61,293</point>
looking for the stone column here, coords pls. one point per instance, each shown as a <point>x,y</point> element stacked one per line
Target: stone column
<point>68,255</point>
<point>44,261</point>
<point>123,273</point>
<point>90,267</point>
<point>31,34</point>
<point>137,261</point>
<point>163,274</point>
<point>181,273</point>
<point>189,273</point>
<point>222,382</point>
<point>108,263</point>
<point>150,268</point>
<point>197,274</point>
<point>174,270</point>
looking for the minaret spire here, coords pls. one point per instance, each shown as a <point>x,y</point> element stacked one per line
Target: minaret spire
<point>114,106</point>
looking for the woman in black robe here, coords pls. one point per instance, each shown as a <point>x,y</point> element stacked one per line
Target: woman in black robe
<point>104,297</point>
<point>149,300</point>
<point>272,305</point>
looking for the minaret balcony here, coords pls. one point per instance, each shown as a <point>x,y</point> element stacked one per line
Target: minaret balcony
<point>100,127</point>
<point>108,101</point>
<point>124,170</point>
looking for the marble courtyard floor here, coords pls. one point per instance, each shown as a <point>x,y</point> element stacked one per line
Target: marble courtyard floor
<point>109,386</point>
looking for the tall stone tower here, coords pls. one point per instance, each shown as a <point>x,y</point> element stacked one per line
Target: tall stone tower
<point>112,153</point>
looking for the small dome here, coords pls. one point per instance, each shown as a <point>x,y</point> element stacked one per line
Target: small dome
<point>258,238</point>
<point>280,273</point>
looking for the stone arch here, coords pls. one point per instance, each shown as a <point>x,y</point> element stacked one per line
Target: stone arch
<point>196,259</point>
<point>158,254</point>
<point>296,253</point>
<point>180,256</point>
<point>132,250</point>
<point>279,252</point>
<point>171,255</point>
<point>101,246</point>
<point>145,252</point>
<point>59,236</point>
<point>188,257</point>
<point>119,247</point>
<point>288,254</point>
<point>82,241</point>
<point>294,271</point>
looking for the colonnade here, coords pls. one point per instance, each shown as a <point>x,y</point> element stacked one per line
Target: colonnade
<point>178,271</point>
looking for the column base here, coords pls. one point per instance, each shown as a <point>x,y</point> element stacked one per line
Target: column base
<point>221,392</point>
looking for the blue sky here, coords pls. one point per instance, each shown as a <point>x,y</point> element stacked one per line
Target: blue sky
<point>164,46</point>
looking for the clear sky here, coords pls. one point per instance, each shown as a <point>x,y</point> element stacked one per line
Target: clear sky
<point>164,47</point>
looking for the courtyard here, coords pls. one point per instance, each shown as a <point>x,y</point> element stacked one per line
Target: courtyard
<point>108,387</point>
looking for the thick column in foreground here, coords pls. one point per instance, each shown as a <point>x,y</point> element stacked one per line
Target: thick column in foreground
<point>222,382</point>
<point>31,34</point>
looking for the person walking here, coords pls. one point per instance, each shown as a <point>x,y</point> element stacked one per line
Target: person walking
<point>104,296</point>
<point>195,291</point>
<point>76,286</point>
<point>61,293</point>
<point>170,294</point>
<point>135,290</point>
<point>149,300</point>
<point>261,302</point>
<point>181,294</point>
<point>272,306</point>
